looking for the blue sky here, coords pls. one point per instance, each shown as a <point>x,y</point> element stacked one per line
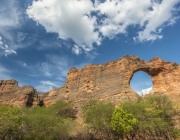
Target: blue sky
<point>41,39</point>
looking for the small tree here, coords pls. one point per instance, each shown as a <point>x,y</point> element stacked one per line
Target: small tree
<point>51,122</point>
<point>155,117</point>
<point>98,114</point>
<point>10,122</point>
<point>122,122</point>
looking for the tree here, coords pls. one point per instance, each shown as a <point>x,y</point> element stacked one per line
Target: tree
<point>10,122</point>
<point>122,122</point>
<point>155,117</point>
<point>98,114</point>
<point>48,122</point>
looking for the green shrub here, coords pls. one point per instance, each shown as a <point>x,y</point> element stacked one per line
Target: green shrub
<point>122,122</point>
<point>155,116</point>
<point>63,109</point>
<point>44,123</point>
<point>10,122</point>
<point>98,114</point>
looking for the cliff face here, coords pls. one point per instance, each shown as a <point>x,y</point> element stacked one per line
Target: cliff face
<point>9,85</point>
<point>11,94</point>
<point>109,81</point>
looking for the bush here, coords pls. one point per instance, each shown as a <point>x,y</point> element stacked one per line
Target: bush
<point>43,123</point>
<point>122,122</point>
<point>10,122</point>
<point>63,109</point>
<point>155,117</point>
<point>98,114</point>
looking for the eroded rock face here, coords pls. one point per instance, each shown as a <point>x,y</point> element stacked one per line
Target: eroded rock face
<point>109,82</point>
<point>11,94</point>
<point>8,85</point>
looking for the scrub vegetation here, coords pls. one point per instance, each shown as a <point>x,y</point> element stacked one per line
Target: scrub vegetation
<point>151,118</point>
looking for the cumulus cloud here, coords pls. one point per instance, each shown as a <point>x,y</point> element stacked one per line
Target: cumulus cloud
<point>121,14</point>
<point>149,15</point>
<point>161,14</point>
<point>88,23</point>
<point>71,19</point>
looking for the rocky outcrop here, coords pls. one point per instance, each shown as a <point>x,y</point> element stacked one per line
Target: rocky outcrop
<point>8,85</point>
<point>11,94</point>
<point>109,82</point>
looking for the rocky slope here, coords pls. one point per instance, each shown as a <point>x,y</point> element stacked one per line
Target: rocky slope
<point>109,81</point>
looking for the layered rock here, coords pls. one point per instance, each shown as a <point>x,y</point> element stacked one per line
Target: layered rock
<point>109,82</point>
<point>8,85</point>
<point>11,94</point>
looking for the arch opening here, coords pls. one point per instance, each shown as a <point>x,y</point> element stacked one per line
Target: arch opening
<point>141,82</point>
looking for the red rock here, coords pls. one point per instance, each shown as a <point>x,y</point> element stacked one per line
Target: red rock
<point>104,82</point>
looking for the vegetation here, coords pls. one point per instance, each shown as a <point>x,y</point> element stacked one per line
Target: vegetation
<point>43,123</point>
<point>155,117</point>
<point>122,122</point>
<point>10,122</point>
<point>98,114</point>
<point>37,123</point>
<point>151,118</point>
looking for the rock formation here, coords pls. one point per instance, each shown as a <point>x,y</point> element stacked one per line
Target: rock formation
<point>109,82</point>
<point>11,94</point>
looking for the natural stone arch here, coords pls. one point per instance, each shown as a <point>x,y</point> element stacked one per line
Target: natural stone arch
<point>149,79</point>
<point>103,82</point>
<point>152,72</point>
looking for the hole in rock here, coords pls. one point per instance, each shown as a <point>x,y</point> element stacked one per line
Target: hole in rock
<point>141,83</point>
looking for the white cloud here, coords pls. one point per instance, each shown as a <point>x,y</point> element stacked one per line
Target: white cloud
<point>46,86</point>
<point>144,91</point>
<point>10,19</point>
<point>161,14</point>
<point>74,19</point>
<point>121,14</point>
<point>6,49</point>
<point>49,83</point>
<point>76,50</point>
<point>147,14</point>
<point>69,18</point>
<point>10,51</point>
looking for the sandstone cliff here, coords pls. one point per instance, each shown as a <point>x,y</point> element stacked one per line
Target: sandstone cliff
<point>11,94</point>
<point>109,81</point>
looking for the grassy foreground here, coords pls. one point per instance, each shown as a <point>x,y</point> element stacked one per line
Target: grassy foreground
<point>151,118</point>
